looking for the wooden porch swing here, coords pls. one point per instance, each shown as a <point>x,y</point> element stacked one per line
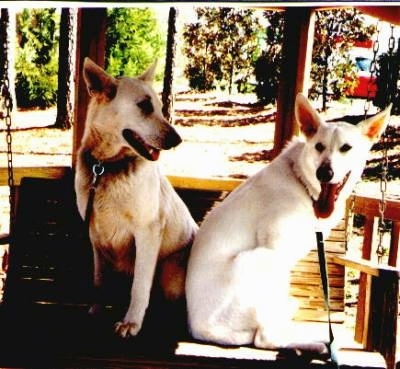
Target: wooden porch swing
<point>43,317</point>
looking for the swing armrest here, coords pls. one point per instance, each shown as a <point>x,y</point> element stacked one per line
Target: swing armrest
<point>365,266</point>
<point>377,306</point>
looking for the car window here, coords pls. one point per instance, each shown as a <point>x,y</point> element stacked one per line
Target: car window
<point>363,63</point>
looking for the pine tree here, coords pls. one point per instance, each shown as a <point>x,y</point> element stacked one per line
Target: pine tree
<point>133,41</point>
<point>36,59</point>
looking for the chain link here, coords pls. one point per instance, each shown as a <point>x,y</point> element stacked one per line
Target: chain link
<point>349,220</point>
<point>373,67</point>
<point>381,250</point>
<point>71,20</point>
<point>392,79</point>
<point>7,105</point>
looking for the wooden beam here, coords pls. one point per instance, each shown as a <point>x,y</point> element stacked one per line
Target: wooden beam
<point>358,264</point>
<point>387,13</point>
<point>365,266</point>
<point>203,184</point>
<point>91,42</point>
<point>369,206</point>
<point>37,172</point>
<point>394,244</point>
<point>295,72</point>
<point>206,184</point>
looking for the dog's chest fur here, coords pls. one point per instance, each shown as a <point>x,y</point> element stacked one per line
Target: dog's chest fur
<point>129,201</point>
<point>118,210</point>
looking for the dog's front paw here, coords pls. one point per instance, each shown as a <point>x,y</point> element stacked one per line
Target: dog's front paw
<point>127,329</point>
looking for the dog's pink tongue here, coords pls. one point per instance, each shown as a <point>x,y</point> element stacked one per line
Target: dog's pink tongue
<point>325,204</point>
<point>155,154</point>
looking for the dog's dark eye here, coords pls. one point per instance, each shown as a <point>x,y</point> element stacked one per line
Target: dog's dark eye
<point>345,148</point>
<point>146,105</point>
<point>319,147</point>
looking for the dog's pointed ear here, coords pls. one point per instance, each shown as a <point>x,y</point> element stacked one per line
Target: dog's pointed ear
<point>307,118</point>
<point>98,82</point>
<point>374,126</point>
<point>148,75</point>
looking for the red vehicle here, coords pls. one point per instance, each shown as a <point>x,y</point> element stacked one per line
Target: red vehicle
<point>366,86</point>
<point>361,54</point>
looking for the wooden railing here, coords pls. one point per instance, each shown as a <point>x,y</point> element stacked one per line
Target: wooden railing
<point>378,297</point>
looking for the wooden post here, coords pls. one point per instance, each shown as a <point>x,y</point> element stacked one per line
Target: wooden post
<point>394,244</point>
<point>364,289</point>
<point>382,317</point>
<point>91,42</point>
<point>297,52</point>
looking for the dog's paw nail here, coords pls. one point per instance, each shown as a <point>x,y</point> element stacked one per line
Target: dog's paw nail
<point>126,329</point>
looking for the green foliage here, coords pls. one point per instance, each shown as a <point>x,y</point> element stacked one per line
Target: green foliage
<point>37,58</point>
<point>221,48</point>
<point>332,71</point>
<point>134,41</point>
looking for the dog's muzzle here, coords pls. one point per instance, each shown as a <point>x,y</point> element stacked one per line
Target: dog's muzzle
<point>171,140</point>
<point>140,146</point>
<point>325,204</point>
<point>325,173</point>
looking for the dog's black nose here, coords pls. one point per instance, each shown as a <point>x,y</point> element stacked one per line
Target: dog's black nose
<point>325,172</point>
<point>172,139</point>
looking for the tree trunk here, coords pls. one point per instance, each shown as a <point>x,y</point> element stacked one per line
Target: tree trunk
<point>64,114</point>
<point>325,86</point>
<point>231,70</point>
<point>325,91</point>
<point>168,95</point>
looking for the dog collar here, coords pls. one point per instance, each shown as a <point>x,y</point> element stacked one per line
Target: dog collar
<point>109,166</point>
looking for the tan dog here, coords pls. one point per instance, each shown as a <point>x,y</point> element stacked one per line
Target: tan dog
<point>237,285</point>
<point>137,219</point>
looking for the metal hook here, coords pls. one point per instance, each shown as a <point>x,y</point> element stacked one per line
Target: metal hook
<point>98,170</point>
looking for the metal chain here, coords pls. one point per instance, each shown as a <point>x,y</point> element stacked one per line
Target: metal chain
<point>392,79</point>
<point>380,251</point>
<point>372,70</point>
<point>349,220</point>
<point>7,105</point>
<point>71,20</point>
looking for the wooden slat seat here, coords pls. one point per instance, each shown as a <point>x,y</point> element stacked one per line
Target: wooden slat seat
<point>44,319</point>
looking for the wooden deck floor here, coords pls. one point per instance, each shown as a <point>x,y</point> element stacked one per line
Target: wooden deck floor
<point>350,355</point>
<point>43,338</point>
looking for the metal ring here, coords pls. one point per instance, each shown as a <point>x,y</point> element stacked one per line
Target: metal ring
<point>98,169</point>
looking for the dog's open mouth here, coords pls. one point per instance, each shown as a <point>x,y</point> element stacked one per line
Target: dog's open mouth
<point>325,204</point>
<point>142,148</point>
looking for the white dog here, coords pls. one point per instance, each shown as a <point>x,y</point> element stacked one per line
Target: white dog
<point>138,221</point>
<point>237,285</point>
